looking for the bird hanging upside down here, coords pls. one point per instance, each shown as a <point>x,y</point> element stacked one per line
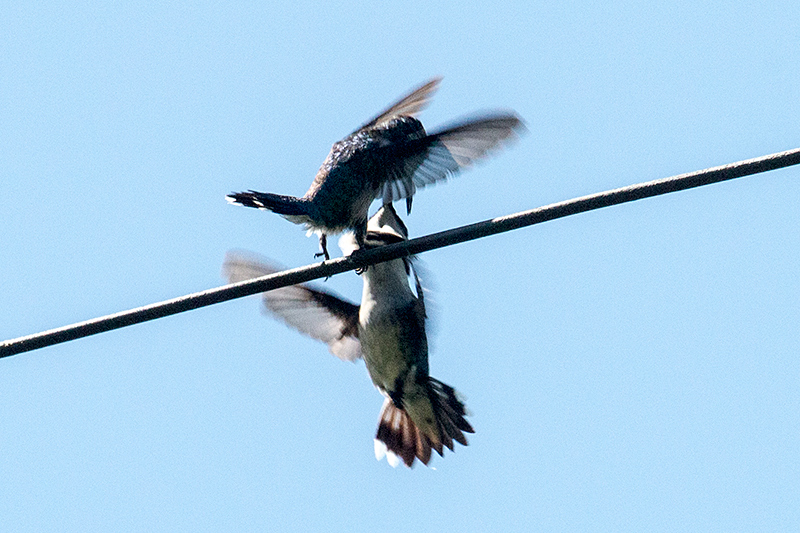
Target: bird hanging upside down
<point>387,330</point>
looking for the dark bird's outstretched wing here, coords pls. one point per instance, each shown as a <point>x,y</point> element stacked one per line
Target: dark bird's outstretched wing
<point>436,156</point>
<point>407,106</point>
<point>318,314</point>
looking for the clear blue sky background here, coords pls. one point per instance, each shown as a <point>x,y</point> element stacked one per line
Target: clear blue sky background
<point>634,368</point>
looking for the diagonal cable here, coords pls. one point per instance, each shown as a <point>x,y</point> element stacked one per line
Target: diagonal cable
<point>393,251</point>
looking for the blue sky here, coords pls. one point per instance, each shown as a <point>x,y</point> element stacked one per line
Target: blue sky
<point>633,368</point>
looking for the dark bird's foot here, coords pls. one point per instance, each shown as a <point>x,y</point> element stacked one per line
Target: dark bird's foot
<point>356,256</point>
<point>323,245</point>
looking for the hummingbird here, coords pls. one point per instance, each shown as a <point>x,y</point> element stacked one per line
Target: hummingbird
<point>389,157</point>
<point>419,414</point>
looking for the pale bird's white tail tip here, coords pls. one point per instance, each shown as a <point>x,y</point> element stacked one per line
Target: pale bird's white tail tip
<point>381,451</point>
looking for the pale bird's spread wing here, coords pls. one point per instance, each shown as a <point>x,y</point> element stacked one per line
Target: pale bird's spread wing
<point>318,314</point>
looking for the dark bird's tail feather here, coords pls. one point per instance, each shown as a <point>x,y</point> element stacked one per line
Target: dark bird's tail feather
<point>398,435</point>
<point>277,203</point>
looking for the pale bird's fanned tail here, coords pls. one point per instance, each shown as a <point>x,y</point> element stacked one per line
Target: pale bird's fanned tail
<point>398,437</point>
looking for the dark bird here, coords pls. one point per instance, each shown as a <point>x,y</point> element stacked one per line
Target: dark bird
<point>387,330</point>
<point>389,157</point>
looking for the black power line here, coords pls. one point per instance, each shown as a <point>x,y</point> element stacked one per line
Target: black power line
<point>413,246</point>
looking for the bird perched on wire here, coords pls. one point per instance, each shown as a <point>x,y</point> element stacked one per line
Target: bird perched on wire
<point>387,330</point>
<point>389,157</point>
